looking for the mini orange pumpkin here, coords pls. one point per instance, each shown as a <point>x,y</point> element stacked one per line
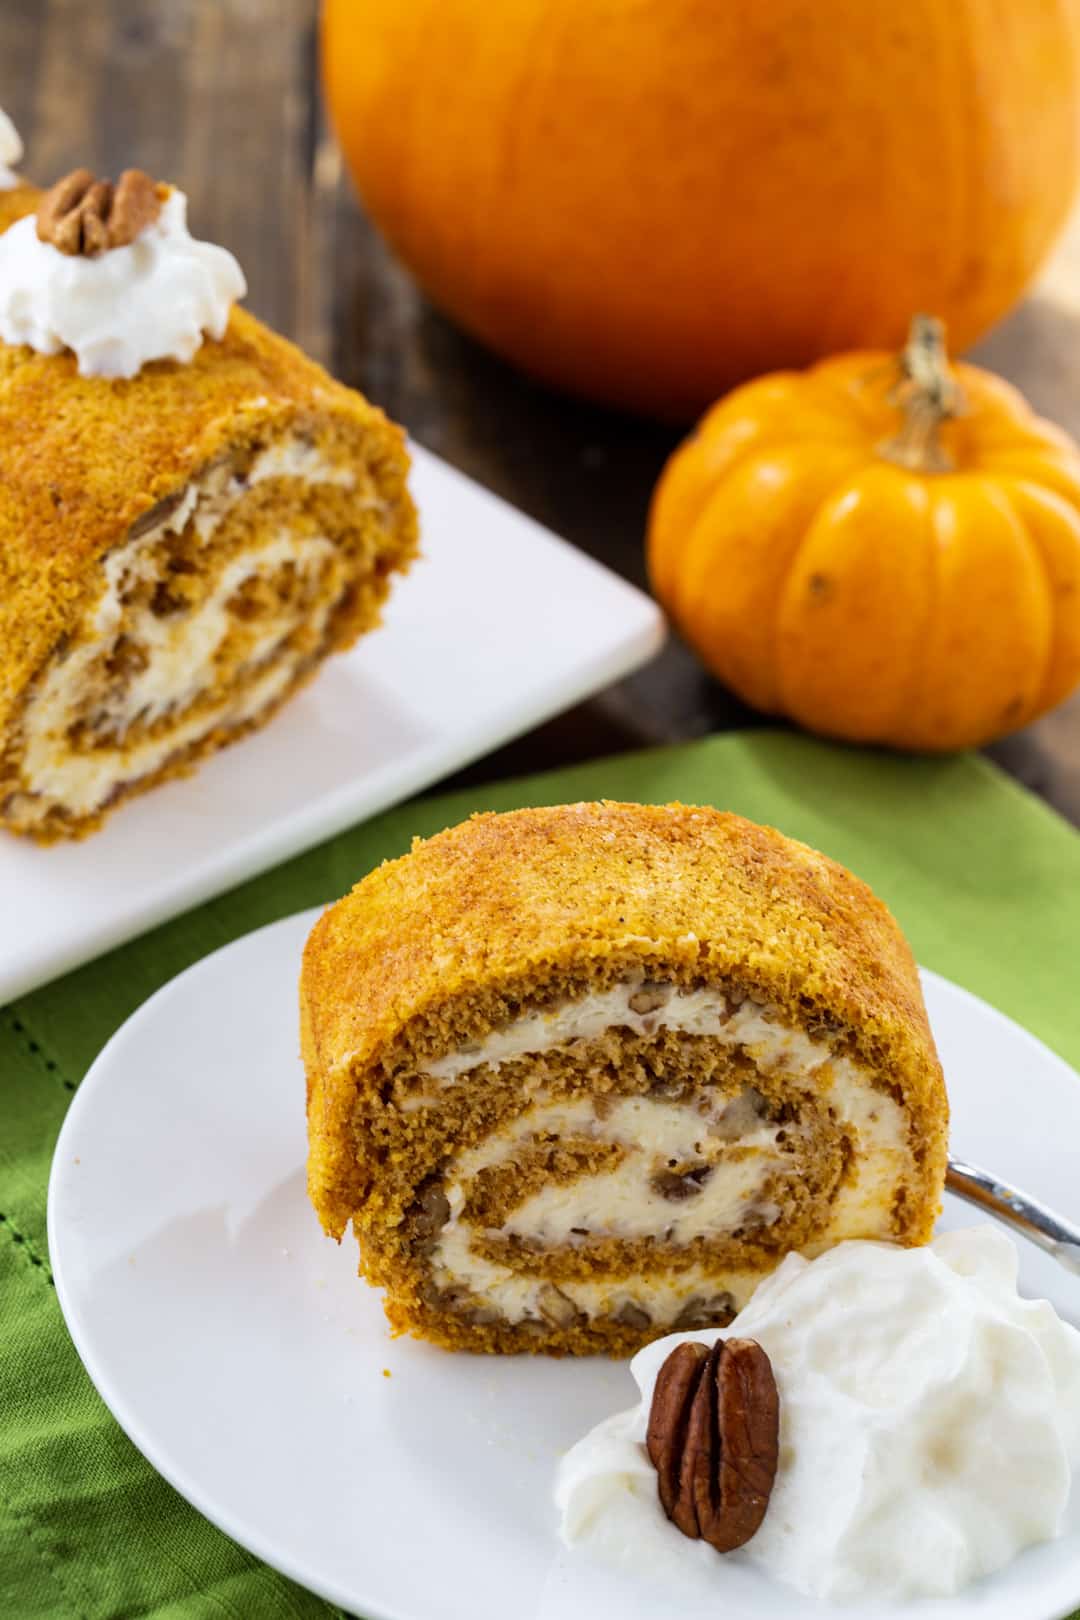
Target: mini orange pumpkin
<point>883,553</point>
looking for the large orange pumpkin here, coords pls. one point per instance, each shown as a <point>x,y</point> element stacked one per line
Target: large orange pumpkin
<point>883,554</point>
<point>648,200</point>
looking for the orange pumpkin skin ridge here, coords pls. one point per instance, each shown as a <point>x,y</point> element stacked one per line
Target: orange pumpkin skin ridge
<point>649,202</point>
<point>863,600</point>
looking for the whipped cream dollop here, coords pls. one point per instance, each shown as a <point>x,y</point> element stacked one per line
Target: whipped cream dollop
<point>929,1421</point>
<point>11,150</point>
<point>153,299</point>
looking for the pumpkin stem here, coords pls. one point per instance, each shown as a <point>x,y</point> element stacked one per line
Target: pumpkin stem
<point>928,395</point>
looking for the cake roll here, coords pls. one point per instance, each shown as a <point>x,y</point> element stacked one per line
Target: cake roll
<point>193,514</point>
<point>581,1076</point>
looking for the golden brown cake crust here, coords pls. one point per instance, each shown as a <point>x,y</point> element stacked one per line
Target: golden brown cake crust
<point>527,897</point>
<point>16,202</point>
<point>82,458</point>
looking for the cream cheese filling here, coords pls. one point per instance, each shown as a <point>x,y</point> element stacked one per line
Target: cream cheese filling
<point>180,648</point>
<point>624,1201</point>
<point>81,781</point>
<point>692,1012</point>
<point>297,458</point>
<point>518,1297</point>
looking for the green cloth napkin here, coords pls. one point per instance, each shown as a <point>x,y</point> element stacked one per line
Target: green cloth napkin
<point>984,879</point>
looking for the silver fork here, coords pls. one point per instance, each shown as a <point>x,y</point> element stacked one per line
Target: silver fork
<point>1052,1234</point>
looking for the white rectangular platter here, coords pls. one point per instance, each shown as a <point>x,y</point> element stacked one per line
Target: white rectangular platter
<point>500,625</point>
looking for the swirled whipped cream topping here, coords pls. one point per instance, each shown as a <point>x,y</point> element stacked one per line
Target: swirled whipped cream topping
<point>929,1422</point>
<point>11,150</point>
<point>153,299</point>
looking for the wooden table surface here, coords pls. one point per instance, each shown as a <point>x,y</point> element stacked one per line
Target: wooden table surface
<point>221,96</point>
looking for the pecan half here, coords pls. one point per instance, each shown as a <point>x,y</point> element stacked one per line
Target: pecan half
<point>431,1211</point>
<point>651,997</point>
<point>557,1308</point>
<point>633,1316</point>
<point>676,1185</point>
<point>83,215</point>
<point>156,514</point>
<point>714,1439</point>
<point>704,1311</point>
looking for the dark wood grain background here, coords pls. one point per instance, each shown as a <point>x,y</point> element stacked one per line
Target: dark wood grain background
<point>221,96</point>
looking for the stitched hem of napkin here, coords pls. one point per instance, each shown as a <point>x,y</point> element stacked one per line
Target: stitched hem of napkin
<point>30,1043</point>
<point>20,1239</point>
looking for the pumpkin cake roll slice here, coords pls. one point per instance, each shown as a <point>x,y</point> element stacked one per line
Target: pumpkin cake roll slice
<point>581,1076</point>
<point>192,513</point>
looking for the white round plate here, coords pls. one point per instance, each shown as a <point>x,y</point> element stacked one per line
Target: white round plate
<point>235,1345</point>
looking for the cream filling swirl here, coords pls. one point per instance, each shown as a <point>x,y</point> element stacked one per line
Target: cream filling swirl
<point>624,1201</point>
<point>180,648</point>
